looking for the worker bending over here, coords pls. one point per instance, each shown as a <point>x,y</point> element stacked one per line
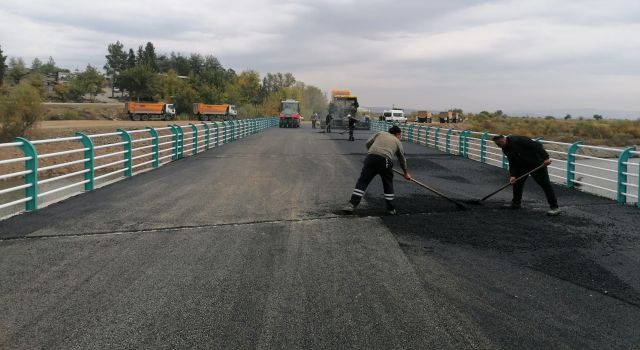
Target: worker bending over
<point>524,155</point>
<point>382,147</point>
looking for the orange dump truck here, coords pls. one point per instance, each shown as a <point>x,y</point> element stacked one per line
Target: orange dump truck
<point>210,112</point>
<point>150,110</point>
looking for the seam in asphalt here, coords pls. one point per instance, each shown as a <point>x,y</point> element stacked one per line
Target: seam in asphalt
<point>196,227</point>
<point>174,228</point>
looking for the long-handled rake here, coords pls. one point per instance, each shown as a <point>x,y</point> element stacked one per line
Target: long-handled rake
<point>476,201</point>
<point>459,205</point>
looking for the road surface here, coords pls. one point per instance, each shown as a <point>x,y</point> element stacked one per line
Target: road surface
<point>243,247</point>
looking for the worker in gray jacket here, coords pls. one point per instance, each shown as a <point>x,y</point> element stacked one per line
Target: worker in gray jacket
<point>382,147</point>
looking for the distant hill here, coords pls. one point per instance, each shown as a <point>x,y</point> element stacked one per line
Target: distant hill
<point>587,113</point>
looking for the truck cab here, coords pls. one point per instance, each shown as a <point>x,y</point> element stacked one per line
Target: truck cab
<point>394,116</point>
<point>290,114</point>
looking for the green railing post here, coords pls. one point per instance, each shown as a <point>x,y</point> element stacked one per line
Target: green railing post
<point>233,130</point>
<point>31,165</point>
<point>622,174</point>
<point>180,141</point>
<point>175,138</point>
<point>437,139</point>
<point>207,135</point>
<point>448,140</point>
<point>466,143</point>
<point>225,128</point>
<point>194,144</point>
<point>128,153</point>
<point>89,163</point>
<point>571,163</point>
<point>156,146</point>
<point>410,133</point>
<point>461,138</point>
<point>216,142</point>
<point>426,136</point>
<point>483,147</point>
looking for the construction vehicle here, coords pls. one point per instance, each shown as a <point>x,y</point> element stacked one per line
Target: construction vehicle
<point>150,110</point>
<point>343,104</point>
<point>214,112</point>
<point>290,114</point>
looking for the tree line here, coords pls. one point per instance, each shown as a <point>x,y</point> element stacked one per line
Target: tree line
<point>187,79</point>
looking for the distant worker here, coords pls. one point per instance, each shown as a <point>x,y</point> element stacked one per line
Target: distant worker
<point>314,119</point>
<point>352,126</point>
<point>524,155</point>
<point>328,120</point>
<point>382,147</point>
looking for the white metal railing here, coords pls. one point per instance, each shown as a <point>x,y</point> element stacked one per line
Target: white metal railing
<point>606,171</point>
<point>99,159</point>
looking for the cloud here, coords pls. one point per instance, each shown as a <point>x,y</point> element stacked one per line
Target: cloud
<point>473,54</point>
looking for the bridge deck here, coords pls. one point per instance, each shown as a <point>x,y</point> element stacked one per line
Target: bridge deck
<point>242,247</point>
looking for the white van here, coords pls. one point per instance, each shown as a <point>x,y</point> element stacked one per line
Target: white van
<point>395,115</point>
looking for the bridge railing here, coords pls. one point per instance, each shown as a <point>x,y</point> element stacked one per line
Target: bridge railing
<point>606,171</point>
<point>34,171</point>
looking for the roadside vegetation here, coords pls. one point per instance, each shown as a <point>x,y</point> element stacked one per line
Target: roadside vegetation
<point>595,131</point>
<point>143,75</point>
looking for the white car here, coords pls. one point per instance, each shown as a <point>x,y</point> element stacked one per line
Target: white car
<point>395,115</point>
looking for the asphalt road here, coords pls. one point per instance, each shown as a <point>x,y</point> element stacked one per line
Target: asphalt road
<point>244,247</point>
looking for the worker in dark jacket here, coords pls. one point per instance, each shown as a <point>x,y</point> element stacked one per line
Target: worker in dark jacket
<point>524,155</point>
<point>328,120</point>
<point>382,147</point>
<point>352,126</point>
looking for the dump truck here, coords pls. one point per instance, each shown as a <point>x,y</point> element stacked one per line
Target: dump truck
<point>214,112</point>
<point>150,110</point>
<point>290,114</point>
<point>342,104</point>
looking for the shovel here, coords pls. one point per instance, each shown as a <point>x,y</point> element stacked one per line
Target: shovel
<point>459,205</point>
<point>475,201</point>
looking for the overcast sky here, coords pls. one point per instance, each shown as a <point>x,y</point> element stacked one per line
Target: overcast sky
<point>424,54</point>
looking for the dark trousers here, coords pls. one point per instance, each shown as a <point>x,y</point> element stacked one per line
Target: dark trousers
<point>313,124</point>
<point>375,165</point>
<point>351,134</point>
<point>542,178</point>
<point>329,127</point>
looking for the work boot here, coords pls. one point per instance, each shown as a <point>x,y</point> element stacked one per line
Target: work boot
<point>349,208</point>
<point>554,212</point>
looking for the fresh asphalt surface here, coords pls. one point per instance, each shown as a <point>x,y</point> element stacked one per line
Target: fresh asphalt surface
<point>244,247</point>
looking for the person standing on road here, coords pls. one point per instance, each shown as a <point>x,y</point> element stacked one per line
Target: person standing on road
<point>524,155</point>
<point>352,126</point>
<point>328,122</point>
<point>314,119</point>
<point>381,149</point>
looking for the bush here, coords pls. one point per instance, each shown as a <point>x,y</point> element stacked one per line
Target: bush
<point>20,109</point>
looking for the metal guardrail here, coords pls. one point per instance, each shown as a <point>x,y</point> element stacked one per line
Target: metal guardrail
<point>615,176</point>
<point>128,152</point>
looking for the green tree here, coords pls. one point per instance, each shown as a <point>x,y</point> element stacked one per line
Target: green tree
<point>567,117</point>
<point>131,59</point>
<point>20,109</point>
<point>51,68</point>
<point>36,65</point>
<point>3,66</point>
<point>88,82</point>
<point>17,70</point>
<point>149,57</point>
<point>169,87</point>
<point>597,117</point>
<point>116,62</point>
<point>139,81</point>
